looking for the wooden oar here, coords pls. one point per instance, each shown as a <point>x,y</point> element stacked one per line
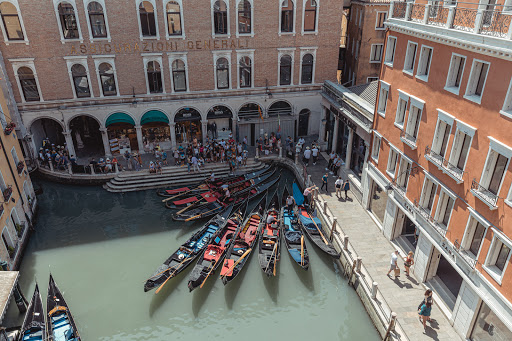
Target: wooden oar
<point>189,206</point>
<point>268,264</point>
<point>190,190</point>
<point>238,261</point>
<point>200,214</point>
<point>170,276</point>
<point>211,269</point>
<point>302,250</point>
<point>321,234</point>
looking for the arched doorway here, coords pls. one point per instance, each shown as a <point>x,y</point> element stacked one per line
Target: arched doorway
<point>188,125</point>
<point>249,115</point>
<point>121,133</point>
<point>86,135</point>
<point>280,108</point>
<point>220,122</point>
<point>303,122</point>
<point>155,130</point>
<point>49,129</point>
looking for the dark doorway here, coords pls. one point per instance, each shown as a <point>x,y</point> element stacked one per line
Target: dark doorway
<point>451,278</point>
<point>304,122</point>
<point>47,128</point>
<point>86,135</point>
<point>253,134</point>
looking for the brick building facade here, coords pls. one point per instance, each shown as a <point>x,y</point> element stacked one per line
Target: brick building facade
<point>143,72</point>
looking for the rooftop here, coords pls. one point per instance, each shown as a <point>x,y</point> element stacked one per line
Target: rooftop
<point>367,92</point>
<point>8,280</point>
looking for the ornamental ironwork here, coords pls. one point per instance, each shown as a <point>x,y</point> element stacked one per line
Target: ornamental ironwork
<point>399,10</point>
<point>484,194</point>
<point>438,16</point>
<point>464,19</point>
<point>438,159</point>
<point>495,23</point>
<point>417,12</point>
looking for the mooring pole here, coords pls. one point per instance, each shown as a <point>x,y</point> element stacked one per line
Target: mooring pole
<point>334,221</point>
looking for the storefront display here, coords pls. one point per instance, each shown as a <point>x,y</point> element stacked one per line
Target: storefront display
<point>188,125</point>
<point>489,327</point>
<point>358,152</point>
<point>156,134</point>
<point>378,201</point>
<point>125,135</point>
<point>219,122</point>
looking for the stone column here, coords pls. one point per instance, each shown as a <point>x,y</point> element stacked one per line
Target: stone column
<point>138,129</point>
<point>234,131</point>
<point>35,149</point>
<point>321,132</point>
<point>349,148</point>
<point>172,127</point>
<point>335,133</point>
<point>69,143</point>
<point>204,127</point>
<point>106,144</point>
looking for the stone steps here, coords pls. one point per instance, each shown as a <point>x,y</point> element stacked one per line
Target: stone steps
<point>172,176</point>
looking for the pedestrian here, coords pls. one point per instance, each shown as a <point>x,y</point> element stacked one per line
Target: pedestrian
<point>338,183</point>
<point>315,151</point>
<point>325,178</point>
<point>427,299</point>
<point>159,167</point>
<point>212,177</point>
<point>307,193</point>
<point>164,158</point>
<point>331,160</point>
<point>346,187</point>
<point>408,262</point>
<point>195,164</point>
<point>393,267</point>
<point>290,203</point>
<point>189,163</point>
<point>307,156</point>
<point>424,312</point>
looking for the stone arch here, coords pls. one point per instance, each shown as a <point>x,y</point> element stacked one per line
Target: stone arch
<point>116,112</point>
<point>100,122</point>
<point>220,121</point>
<point>46,127</point>
<point>166,113</point>
<point>188,129</point>
<point>173,118</point>
<point>85,132</point>
<point>280,107</point>
<point>155,129</point>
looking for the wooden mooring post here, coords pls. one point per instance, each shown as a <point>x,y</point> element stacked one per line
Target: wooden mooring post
<point>391,326</point>
<point>334,221</point>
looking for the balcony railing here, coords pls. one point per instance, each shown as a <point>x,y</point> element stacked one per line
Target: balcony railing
<point>20,167</point>
<point>462,253</point>
<point>426,214</point>
<point>7,193</point>
<point>491,20</point>
<point>484,194</point>
<point>409,139</point>
<point>452,170</point>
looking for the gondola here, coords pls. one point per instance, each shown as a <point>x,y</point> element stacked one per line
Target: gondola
<point>215,252</point>
<point>33,327</point>
<point>270,239</point>
<point>238,253</point>
<point>60,324</point>
<point>188,251</point>
<point>181,189</point>
<point>312,226</point>
<point>214,194</point>
<point>209,209</point>
<point>293,235</point>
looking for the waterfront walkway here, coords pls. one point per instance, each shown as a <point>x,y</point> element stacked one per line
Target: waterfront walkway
<point>404,294</point>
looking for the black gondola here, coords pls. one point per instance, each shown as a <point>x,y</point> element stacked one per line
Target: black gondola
<point>312,227</point>
<point>60,324</point>
<point>292,233</point>
<point>188,251</point>
<point>269,249</point>
<point>33,327</point>
<point>239,252</point>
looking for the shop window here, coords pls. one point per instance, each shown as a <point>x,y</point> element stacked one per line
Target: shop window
<point>376,147</point>
<point>188,125</point>
<point>410,57</point>
<point>107,79</point>
<point>307,69</point>
<point>174,27</point>
<point>222,73</point>
<point>285,70</point>
<point>444,209</point>
<point>476,82</point>
<point>381,18</point>
<point>378,201</point>
<point>358,156</point>
<point>390,51</point>
<point>376,53</point>
<point>147,19</point>
<point>68,22</point>
<point>310,16</point>
<point>404,170</point>
<point>11,21</point>
<point>424,63</point>
<point>220,18</point>
<point>28,84</point>
<point>489,327</point>
<point>245,72</point>
<point>179,76</point>
<point>154,77</point>
<point>392,161</point>
<point>287,16</point>
<point>401,110</point>
<point>244,17</point>
<point>80,81</point>
<point>428,194</point>
<point>497,259</point>
<point>97,20</point>
<point>455,72</point>
<point>383,98</point>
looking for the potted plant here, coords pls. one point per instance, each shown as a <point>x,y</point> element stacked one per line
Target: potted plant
<point>19,229</point>
<point>20,166</point>
<point>11,250</point>
<point>9,128</point>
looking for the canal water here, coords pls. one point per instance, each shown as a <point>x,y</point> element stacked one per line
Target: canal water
<point>101,247</point>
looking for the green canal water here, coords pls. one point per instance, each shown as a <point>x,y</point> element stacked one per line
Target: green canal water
<point>101,247</point>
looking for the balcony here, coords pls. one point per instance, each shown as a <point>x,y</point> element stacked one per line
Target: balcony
<point>20,167</point>
<point>489,25</point>
<point>408,139</point>
<point>441,229</point>
<point>482,193</point>
<point>446,167</point>
<point>7,193</point>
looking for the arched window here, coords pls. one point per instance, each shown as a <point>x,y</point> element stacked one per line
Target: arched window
<point>68,21</point>
<point>220,17</point>
<point>245,72</point>
<point>287,16</point>
<point>108,81</point>
<point>307,69</point>
<point>222,73</point>
<point>28,84</point>
<point>80,81</point>
<point>97,20</point>
<point>154,77</point>
<point>174,18</point>
<point>310,16</point>
<point>179,76</point>
<point>285,70</point>
<point>244,17</point>
<point>11,21</point>
<point>147,19</point>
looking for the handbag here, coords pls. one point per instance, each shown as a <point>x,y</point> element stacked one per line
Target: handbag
<point>397,272</point>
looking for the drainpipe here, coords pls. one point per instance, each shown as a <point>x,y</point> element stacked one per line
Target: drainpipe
<point>20,299</point>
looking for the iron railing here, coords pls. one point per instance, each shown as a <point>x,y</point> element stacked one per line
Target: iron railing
<point>428,217</point>
<point>464,19</point>
<point>484,194</point>
<point>438,159</point>
<point>463,254</point>
<point>399,10</point>
<point>20,167</point>
<point>417,12</point>
<point>438,16</point>
<point>7,193</point>
<point>495,23</point>
<point>408,137</point>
